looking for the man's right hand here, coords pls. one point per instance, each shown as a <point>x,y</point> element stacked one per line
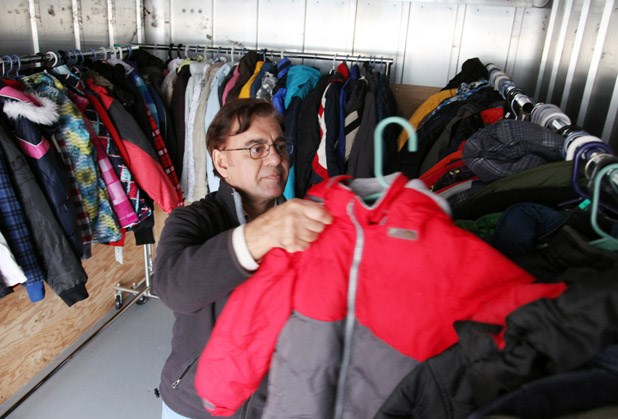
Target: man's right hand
<point>292,226</point>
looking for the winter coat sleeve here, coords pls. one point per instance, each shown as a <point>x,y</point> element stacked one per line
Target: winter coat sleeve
<point>195,264</point>
<point>240,349</point>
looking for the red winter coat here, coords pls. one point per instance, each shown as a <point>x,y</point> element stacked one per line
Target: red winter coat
<point>344,321</point>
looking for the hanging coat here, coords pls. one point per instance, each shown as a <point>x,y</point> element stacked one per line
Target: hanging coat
<point>63,270</point>
<point>72,136</point>
<point>17,232</point>
<point>136,151</point>
<point>26,118</point>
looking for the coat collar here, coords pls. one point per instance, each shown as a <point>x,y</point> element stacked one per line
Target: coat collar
<point>232,201</point>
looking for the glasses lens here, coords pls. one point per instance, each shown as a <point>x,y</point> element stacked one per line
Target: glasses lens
<point>283,148</point>
<point>289,148</point>
<point>259,151</point>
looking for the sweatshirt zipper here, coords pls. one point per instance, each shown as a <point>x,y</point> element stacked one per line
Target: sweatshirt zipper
<point>184,372</point>
<point>351,310</point>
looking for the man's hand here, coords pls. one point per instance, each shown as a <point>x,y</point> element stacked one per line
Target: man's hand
<point>293,226</point>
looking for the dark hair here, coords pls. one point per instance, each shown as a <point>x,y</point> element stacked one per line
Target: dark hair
<point>242,112</point>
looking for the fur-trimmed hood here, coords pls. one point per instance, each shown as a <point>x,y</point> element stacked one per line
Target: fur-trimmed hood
<point>35,108</point>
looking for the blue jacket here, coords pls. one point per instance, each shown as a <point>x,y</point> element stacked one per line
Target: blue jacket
<point>300,81</point>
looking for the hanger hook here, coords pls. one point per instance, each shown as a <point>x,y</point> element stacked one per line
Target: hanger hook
<point>10,61</point>
<point>595,202</point>
<point>104,51</point>
<point>54,57</point>
<point>377,143</point>
<point>18,65</point>
<point>81,56</point>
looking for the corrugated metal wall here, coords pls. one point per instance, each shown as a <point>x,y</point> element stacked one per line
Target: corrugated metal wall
<point>562,52</point>
<point>579,70</point>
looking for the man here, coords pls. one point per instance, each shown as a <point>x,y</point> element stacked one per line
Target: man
<point>213,245</point>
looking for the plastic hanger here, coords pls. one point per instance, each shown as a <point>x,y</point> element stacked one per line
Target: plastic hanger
<point>580,156</point>
<point>10,62</point>
<point>18,66</point>
<point>54,58</point>
<point>332,70</point>
<point>607,241</point>
<point>184,61</point>
<point>81,60</point>
<point>378,144</point>
<point>104,51</point>
<point>169,51</point>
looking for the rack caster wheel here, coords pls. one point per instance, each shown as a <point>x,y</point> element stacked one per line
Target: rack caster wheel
<point>118,302</point>
<point>141,300</point>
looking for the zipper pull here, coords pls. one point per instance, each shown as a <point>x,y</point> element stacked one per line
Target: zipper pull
<point>175,383</point>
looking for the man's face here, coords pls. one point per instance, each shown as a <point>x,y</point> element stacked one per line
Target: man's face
<point>256,179</point>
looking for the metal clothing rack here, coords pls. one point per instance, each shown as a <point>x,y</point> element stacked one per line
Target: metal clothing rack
<point>527,109</point>
<point>551,116</point>
<point>387,62</point>
<point>11,64</point>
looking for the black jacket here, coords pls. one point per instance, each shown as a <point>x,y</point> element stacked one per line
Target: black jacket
<point>195,270</point>
<point>63,270</point>
<point>543,338</point>
<point>308,137</point>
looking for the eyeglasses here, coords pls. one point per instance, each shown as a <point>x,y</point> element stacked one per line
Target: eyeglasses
<point>262,150</point>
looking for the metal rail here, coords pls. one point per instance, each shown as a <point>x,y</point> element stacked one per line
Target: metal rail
<point>364,58</point>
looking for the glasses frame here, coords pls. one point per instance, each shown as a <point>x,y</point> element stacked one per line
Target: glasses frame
<point>289,150</point>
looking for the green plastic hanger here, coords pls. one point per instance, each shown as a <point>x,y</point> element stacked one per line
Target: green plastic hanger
<point>378,144</point>
<point>606,242</point>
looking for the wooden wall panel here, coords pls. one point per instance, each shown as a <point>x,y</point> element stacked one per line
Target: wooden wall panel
<point>34,334</point>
